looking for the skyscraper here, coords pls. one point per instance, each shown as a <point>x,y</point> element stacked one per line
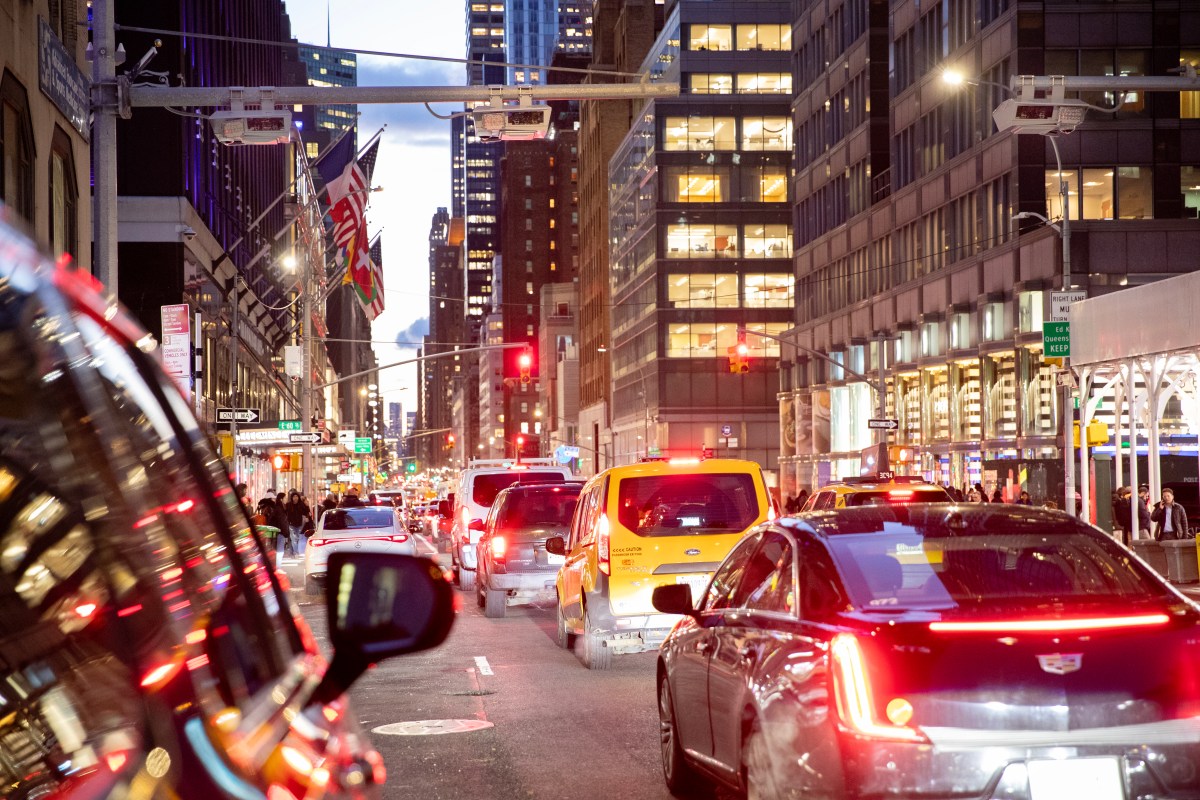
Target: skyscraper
<point>325,66</point>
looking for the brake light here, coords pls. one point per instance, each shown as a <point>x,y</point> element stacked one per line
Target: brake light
<point>398,537</point>
<point>904,493</point>
<point>1049,625</point>
<point>852,690</point>
<point>499,547</point>
<point>602,545</point>
<point>679,461</point>
<point>317,542</point>
<point>160,674</point>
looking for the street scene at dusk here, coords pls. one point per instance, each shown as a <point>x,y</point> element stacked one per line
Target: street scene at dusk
<point>600,398</point>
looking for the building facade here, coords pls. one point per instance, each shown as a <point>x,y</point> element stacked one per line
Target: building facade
<point>326,66</point>
<point>908,245</point>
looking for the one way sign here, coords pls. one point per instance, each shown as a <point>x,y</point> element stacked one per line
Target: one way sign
<point>308,437</point>
<point>883,424</point>
<point>247,415</point>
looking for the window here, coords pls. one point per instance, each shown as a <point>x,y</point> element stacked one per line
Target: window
<point>64,195</point>
<point>766,133</point>
<point>700,339</point>
<point>1189,184</point>
<point>767,184</point>
<point>931,339</point>
<point>702,241</point>
<point>696,184</point>
<point>1189,102</point>
<point>761,347</point>
<point>706,83</point>
<point>699,133</point>
<point>16,148</point>
<point>702,290</point>
<point>768,241</point>
<point>725,580</point>
<point>769,291</point>
<point>768,582</point>
<point>764,83</point>
<point>995,327</point>
<point>683,505</point>
<point>1029,312</point>
<point>710,37</point>
<point>1103,193</point>
<point>960,331</point>
<point>764,37</point>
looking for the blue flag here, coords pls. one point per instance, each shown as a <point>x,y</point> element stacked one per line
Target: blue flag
<point>332,162</point>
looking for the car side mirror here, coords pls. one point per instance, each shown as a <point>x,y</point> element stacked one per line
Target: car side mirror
<point>443,509</point>
<point>673,598</point>
<point>475,525</point>
<point>556,545</point>
<point>379,606</point>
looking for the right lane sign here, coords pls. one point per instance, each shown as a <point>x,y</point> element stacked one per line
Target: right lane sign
<point>883,424</point>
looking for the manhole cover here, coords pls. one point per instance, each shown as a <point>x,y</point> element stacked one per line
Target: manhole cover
<point>432,727</point>
<point>473,693</point>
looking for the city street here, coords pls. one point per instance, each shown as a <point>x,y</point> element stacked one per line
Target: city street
<point>556,729</point>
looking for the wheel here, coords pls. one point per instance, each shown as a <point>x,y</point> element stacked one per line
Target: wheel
<point>681,777</point>
<point>496,602</point>
<point>479,594</point>
<point>758,777</point>
<point>565,639</point>
<point>311,587</point>
<point>595,654</point>
<point>466,579</point>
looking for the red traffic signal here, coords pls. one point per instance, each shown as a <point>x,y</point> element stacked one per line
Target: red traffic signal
<point>520,442</point>
<point>450,440</point>
<point>280,462</point>
<point>739,358</point>
<point>525,365</point>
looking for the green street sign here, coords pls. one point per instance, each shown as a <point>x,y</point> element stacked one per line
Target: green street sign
<point>289,425</point>
<point>362,444</point>
<point>1056,339</point>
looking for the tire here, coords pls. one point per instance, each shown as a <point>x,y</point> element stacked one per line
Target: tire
<point>681,777</point>
<point>311,587</point>
<point>594,654</point>
<point>564,638</point>
<point>479,593</point>
<point>466,579</point>
<point>758,778</point>
<point>495,603</point>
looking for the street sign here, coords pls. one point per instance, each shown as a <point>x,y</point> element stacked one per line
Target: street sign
<point>362,444</point>
<point>309,437</point>
<point>727,430</point>
<point>346,436</point>
<point>883,424</point>
<point>289,425</point>
<point>1056,339</point>
<point>1060,303</point>
<point>246,415</point>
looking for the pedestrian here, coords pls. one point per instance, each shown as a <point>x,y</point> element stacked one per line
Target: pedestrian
<point>1122,514</point>
<point>329,502</point>
<point>351,499</point>
<point>802,500</point>
<point>997,496</point>
<point>1052,505</point>
<point>243,496</point>
<point>278,519</point>
<point>973,496</point>
<point>790,506</point>
<point>1169,518</point>
<point>298,516</point>
<point>1023,499</point>
<point>983,498</point>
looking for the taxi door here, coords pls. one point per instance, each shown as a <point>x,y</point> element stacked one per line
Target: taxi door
<point>571,574</point>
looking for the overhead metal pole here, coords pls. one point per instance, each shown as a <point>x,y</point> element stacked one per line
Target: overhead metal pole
<point>104,146</point>
<point>1068,413</point>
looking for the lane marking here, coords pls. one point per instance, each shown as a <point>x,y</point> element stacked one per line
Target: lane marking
<point>481,663</point>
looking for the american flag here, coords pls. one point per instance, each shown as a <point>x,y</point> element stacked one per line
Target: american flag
<point>348,197</point>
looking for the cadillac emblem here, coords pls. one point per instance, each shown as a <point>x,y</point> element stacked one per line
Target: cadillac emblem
<point>1060,663</point>
<point>692,551</point>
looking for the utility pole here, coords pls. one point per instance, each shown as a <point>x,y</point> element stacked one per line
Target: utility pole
<point>106,106</point>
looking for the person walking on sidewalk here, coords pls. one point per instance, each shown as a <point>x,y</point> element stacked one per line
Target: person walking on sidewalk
<point>298,514</point>
<point>1170,520</point>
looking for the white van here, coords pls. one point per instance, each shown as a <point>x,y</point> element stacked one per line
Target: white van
<point>477,487</point>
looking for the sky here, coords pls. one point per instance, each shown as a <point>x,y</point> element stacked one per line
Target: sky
<point>414,155</point>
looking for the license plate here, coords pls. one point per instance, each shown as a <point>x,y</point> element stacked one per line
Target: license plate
<point>1093,778</point>
<point>555,559</point>
<point>698,583</point>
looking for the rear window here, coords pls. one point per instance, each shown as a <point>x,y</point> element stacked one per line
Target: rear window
<point>339,519</point>
<point>931,494</point>
<point>547,507</point>
<point>678,505</point>
<point>487,485</point>
<point>995,563</point>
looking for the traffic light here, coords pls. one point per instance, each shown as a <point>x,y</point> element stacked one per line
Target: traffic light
<point>520,443</point>
<point>449,441</point>
<point>525,363</point>
<point>411,467</point>
<point>297,462</point>
<point>280,462</point>
<point>739,358</point>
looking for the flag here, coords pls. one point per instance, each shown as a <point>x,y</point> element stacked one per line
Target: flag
<point>334,159</point>
<point>348,196</point>
<point>376,257</point>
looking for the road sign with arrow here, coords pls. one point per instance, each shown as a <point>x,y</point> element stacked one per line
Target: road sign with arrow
<point>306,437</point>
<point>883,424</point>
<point>247,416</point>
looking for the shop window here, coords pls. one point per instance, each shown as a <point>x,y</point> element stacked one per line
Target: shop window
<point>768,241</point>
<point>16,148</point>
<point>1189,184</point>
<point>764,83</point>
<point>769,291</point>
<point>696,184</point>
<point>64,195</point>
<point>710,37</point>
<point>702,241</point>
<point>699,134</point>
<point>764,37</point>
<point>710,83</point>
<point>702,290</point>
<point>766,133</point>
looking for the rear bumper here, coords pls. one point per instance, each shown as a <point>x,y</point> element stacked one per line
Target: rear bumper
<point>524,583</point>
<point>627,633</point>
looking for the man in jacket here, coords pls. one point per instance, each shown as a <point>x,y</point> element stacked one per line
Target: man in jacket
<point>1170,521</point>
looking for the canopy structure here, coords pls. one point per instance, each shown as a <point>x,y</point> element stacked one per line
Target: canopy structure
<point>1136,355</point>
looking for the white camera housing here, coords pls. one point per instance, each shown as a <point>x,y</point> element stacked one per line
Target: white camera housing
<point>497,122</point>
<point>271,126</point>
<point>1041,115</point>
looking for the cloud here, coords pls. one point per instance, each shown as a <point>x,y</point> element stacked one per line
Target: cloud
<point>408,338</point>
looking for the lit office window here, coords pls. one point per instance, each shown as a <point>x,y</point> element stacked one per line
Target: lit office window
<point>700,133</point>
<point>700,339</point>
<point>702,241</point>
<point>769,291</point>
<point>764,37</point>
<point>768,241</point>
<point>764,83</point>
<point>710,83</point>
<point>710,37</point>
<point>702,290</point>
<point>696,184</point>
<point>766,133</point>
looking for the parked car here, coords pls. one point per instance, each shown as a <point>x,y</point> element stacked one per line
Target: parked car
<point>361,529</point>
<point>513,565</point>
<point>640,526</point>
<point>931,650</point>
<point>149,645</point>
<point>477,488</point>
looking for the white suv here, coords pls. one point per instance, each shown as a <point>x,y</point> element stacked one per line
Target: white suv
<point>477,487</point>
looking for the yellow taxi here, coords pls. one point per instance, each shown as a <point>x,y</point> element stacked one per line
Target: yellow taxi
<point>876,489</point>
<point>645,525</point>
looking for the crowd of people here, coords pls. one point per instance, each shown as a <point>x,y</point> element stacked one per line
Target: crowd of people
<point>293,516</point>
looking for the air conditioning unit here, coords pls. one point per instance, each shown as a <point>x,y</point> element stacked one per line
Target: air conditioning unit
<point>497,122</point>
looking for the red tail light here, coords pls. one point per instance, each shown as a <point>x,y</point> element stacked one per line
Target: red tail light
<point>1049,625</point>
<point>398,537</point>
<point>317,542</point>
<point>602,545</point>
<point>499,547</point>
<point>852,690</point>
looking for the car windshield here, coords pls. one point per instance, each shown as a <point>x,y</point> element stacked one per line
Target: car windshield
<point>487,485</point>
<point>541,507</point>
<point>930,494</point>
<point>899,558</point>
<point>339,519</point>
<point>678,505</point>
